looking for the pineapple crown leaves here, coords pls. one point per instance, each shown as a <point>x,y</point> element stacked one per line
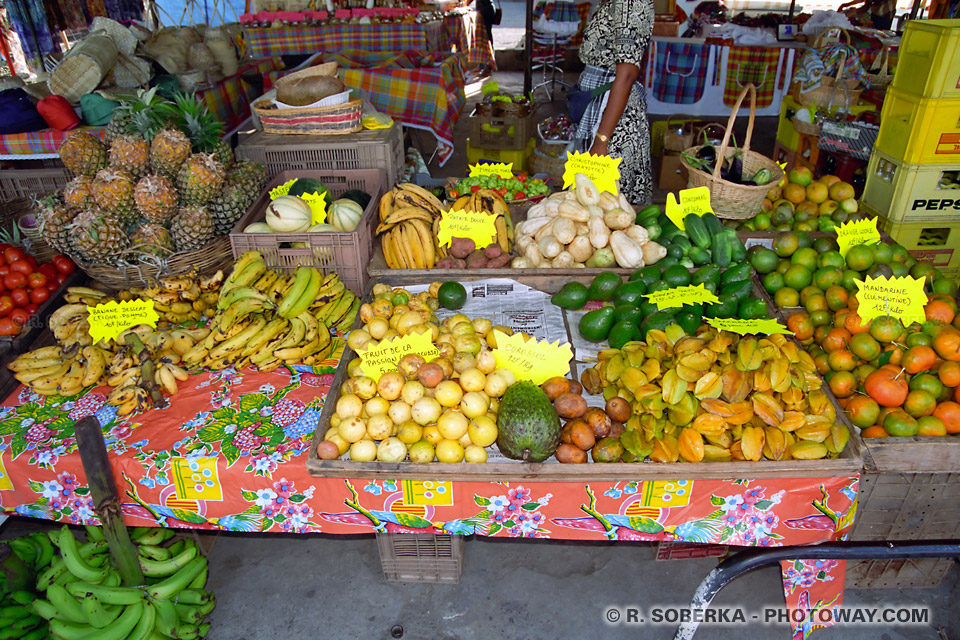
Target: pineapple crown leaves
<point>144,112</point>
<point>193,118</point>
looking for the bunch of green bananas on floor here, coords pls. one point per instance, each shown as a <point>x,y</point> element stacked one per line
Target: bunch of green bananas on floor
<point>84,597</point>
<point>17,620</point>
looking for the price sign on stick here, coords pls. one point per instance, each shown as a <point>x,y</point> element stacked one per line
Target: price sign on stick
<point>533,360</point>
<point>317,201</point>
<point>476,225</point>
<point>761,326</point>
<point>679,296</point>
<point>696,201</point>
<point>603,171</point>
<point>109,320</point>
<point>850,234</point>
<point>377,360</point>
<point>497,170</point>
<point>902,298</point>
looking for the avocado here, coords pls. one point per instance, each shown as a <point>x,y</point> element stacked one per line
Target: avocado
<point>528,426</point>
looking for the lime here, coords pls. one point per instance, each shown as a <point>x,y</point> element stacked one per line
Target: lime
<point>884,254</point>
<point>763,260</point>
<point>797,277</point>
<point>773,282</point>
<point>805,256</point>
<point>860,257</point>
<point>451,295</point>
<point>831,258</point>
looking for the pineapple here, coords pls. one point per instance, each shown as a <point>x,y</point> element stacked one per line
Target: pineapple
<point>224,153</point>
<point>192,228</point>
<point>169,149</point>
<point>152,239</point>
<point>98,237</point>
<point>240,190</point>
<point>141,114</point>
<point>84,154</point>
<point>53,221</point>
<point>251,175</point>
<point>118,126</point>
<point>204,130</point>
<point>200,179</point>
<point>156,199</point>
<point>78,193</point>
<point>132,154</point>
<point>113,191</point>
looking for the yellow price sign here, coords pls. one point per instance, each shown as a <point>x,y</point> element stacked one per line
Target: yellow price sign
<point>383,357</point>
<point>760,326</point>
<point>901,298</point>
<point>850,234</point>
<point>533,360</point>
<point>109,320</point>
<point>679,296</point>
<point>317,201</point>
<point>603,171</point>
<point>496,169</point>
<point>696,201</point>
<point>479,226</point>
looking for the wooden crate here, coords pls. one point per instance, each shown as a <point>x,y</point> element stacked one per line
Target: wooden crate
<point>849,463</point>
<point>421,557</point>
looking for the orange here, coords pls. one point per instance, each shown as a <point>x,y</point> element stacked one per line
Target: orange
<point>841,191</point>
<point>807,209</point>
<point>852,323</point>
<point>896,354</point>
<point>794,193</point>
<point>826,277</point>
<point>827,207</point>
<point>939,310</point>
<point>864,346</point>
<point>920,403</point>
<point>853,302</point>
<point>843,384</point>
<point>817,192</point>
<point>797,277</point>
<point>887,386</point>
<point>828,180</point>
<point>821,322</point>
<point>886,328</point>
<point>900,425</point>
<point>928,382</point>
<point>931,426</point>
<point>860,257</point>
<point>918,338</point>
<point>801,325</point>
<point>815,302</point>
<point>863,371</point>
<point>876,431</point>
<point>786,297</point>
<point>863,411</point>
<point>842,360</point>
<point>949,374</point>
<point>836,297</point>
<point>919,358</point>
<point>949,412</point>
<point>836,338</point>
<point>947,344</point>
<point>822,363</point>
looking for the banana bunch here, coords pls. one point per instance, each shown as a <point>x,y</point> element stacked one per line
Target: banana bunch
<point>17,620</point>
<point>84,597</point>
<point>487,201</point>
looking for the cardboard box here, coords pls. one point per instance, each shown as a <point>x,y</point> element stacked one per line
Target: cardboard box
<point>673,175</point>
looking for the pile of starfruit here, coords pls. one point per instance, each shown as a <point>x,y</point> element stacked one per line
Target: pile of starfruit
<point>718,396</point>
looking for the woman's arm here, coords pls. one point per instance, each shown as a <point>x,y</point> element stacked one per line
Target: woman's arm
<point>627,74</point>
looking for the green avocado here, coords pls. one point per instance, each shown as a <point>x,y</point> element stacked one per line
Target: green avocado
<point>528,427</point>
<point>572,295</point>
<point>595,325</point>
<point>603,286</point>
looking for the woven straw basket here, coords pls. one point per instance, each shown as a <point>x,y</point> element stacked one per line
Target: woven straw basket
<point>730,200</point>
<point>806,128</point>
<point>830,87</point>
<point>214,255</point>
<point>84,67</point>
<point>331,120</point>
<point>131,72</point>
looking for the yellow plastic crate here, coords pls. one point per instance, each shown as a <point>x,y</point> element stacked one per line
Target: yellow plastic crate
<point>903,192</point>
<point>787,135</point>
<point>919,130</point>
<point>518,157</point>
<point>928,60</point>
<point>935,242</point>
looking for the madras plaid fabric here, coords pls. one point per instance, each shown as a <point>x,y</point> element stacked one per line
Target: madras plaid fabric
<point>679,71</point>
<point>751,64</point>
<point>369,37</point>
<point>465,34</point>
<point>547,9</point>
<point>38,142</point>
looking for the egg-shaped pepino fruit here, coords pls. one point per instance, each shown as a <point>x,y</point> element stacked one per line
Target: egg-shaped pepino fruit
<point>510,376</point>
<point>486,361</point>
<point>425,411</point>
<point>430,375</point>
<point>482,326</point>
<point>364,451</point>
<point>473,453</point>
<point>449,451</point>
<point>412,391</point>
<point>391,450</point>
<point>448,393</point>
<point>469,344</point>
<point>421,452</point>
<point>349,406</point>
<point>482,431</point>
<point>409,365</point>
<point>376,406</point>
<point>447,350</point>
<point>328,450</point>
<point>464,328</point>
<point>359,339</point>
<point>382,307</point>
<point>452,424</point>
<point>426,327</point>
<point>399,411</point>
<point>474,404</point>
<point>378,327</point>
<point>364,387</point>
<point>409,432</point>
<point>445,365</point>
<point>379,427</point>
<point>352,429</point>
<point>472,379</point>
<point>408,320</point>
<point>431,434</point>
<point>342,444</point>
<point>464,361</point>
<point>353,369</point>
<point>390,385</point>
<point>496,385</point>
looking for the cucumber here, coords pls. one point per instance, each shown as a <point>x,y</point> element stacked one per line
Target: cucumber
<point>699,256</point>
<point>697,231</point>
<point>712,224</point>
<point>648,215</point>
<point>722,251</point>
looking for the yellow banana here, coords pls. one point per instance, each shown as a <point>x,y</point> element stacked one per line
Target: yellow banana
<point>273,329</point>
<point>95,367</point>
<point>386,205</point>
<point>118,379</point>
<point>239,341</point>
<point>48,373</point>
<point>167,380</point>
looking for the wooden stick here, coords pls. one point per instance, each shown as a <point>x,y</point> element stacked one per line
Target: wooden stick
<point>103,489</point>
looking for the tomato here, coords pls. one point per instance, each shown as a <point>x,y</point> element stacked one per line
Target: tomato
<point>4,246</point>
<point>14,280</point>
<point>48,270</point>
<point>52,286</point>
<point>12,254</point>
<point>39,295</point>
<point>36,280</point>
<point>20,297</point>
<point>8,328</point>
<point>31,308</point>
<point>22,266</point>
<point>6,305</point>
<point>64,264</point>
<point>4,270</point>
<point>20,317</point>
<point>60,279</point>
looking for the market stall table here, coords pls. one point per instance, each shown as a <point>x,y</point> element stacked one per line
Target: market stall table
<point>465,34</point>
<point>374,38</point>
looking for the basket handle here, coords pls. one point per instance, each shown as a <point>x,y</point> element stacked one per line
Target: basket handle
<point>679,116</point>
<point>823,34</point>
<point>721,154</point>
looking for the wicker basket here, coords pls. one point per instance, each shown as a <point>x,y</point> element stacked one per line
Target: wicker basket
<point>125,40</point>
<point>806,128</point>
<point>541,161</point>
<point>730,200</point>
<point>830,87</point>
<point>325,69</point>
<point>131,72</point>
<point>882,78</point>
<point>341,118</point>
<point>84,68</point>
<point>677,141</point>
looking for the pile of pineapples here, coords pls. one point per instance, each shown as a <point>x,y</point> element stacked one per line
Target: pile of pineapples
<point>161,182</point>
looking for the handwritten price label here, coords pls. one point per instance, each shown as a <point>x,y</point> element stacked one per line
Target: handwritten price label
<point>603,171</point>
<point>901,298</point>
<point>679,296</point>
<point>696,201</point>
<point>317,201</point>
<point>850,234</point>
<point>109,320</point>
<point>533,360</point>
<point>497,170</point>
<point>383,357</point>
<point>763,326</point>
<point>476,225</point>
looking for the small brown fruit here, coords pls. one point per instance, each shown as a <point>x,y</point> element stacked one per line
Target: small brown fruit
<point>581,435</point>
<point>618,409</point>
<point>566,434</point>
<point>576,387</point>
<point>569,405</point>
<point>430,375</point>
<point>616,429</point>
<point>569,454</point>
<point>555,386</point>
<point>598,421</point>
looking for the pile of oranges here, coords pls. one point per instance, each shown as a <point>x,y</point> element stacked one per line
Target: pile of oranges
<point>890,379</point>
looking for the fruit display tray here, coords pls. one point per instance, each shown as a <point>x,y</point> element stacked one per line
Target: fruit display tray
<point>848,463</point>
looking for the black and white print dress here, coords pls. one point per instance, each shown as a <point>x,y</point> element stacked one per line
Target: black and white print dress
<point>620,32</point>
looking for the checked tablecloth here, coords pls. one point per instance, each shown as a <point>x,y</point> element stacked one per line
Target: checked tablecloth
<point>378,38</point>
<point>466,34</point>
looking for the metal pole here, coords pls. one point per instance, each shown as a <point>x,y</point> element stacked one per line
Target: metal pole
<point>528,50</point>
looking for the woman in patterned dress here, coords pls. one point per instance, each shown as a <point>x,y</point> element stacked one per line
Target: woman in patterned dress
<point>615,121</point>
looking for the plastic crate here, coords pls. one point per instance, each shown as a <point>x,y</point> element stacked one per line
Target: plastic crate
<point>787,134</point>
<point>519,157</point>
<point>903,192</point>
<point>501,132</point>
<point>373,149</point>
<point>345,253</point>
<point>928,59</point>
<point>23,183</point>
<point>920,130</point>
<point>421,557</point>
<point>935,242</point>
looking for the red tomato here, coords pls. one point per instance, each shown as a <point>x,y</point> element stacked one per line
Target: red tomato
<point>64,264</point>
<point>31,308</point>
<point>4,246</point>
<point>14,280</point>
<point>20,317</point>
<point>4,269</point>
<point>8,328</point>
<point>20,297</point>
<point>12,254</point>
<point>48,270</point>
<point>52,286</point>
<point>39,295</point>
<point>60,279</point>
<point>36,280</point>
<point>22,266</point>
<point>6,305</point>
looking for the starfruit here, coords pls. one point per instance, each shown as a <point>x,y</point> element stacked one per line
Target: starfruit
<point>697,361</point>
<point>605,354</point>
<point>751,443</point>
<point>778,339</point>
<point>633,352</point>
<point>838,438</point>
<point>633,379</point>
<point>647,392</point>
<point>737,385</point>
<point>761,380</point>
<point>805,362</point>
<point>721,343</point>
<point>690,444</point>
<point>820,405</point>
<point>687,345</point>
<point>712,453</point>
<point>651,426</point>
<point>636,445</point>
<point>779,372</point>
<point>717,407</point>
<point>613,368</point>
<point>723,440</point>
<point>742,413</point>
<point>673,387</point>
<point>651,368</point>
<point>590,379</point>
<point>633,422</point>
<point>767,408</point>
<point>793,399</point>
<point>656,335</point>
<point>774,444</point>
<point>710,385</point>
<point>749,357</point>
<point>791,351</point>
<point>768,350</point>
<point>710,425</point>
<point>816,429</point>
<point>736,453</point>
<point>792,420</point>
<point>687,374</point>
<point>674,333</point>
<point>683,412</point>
<point>610,392</point>
<point>807,450</point>
<point>665,449</point>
